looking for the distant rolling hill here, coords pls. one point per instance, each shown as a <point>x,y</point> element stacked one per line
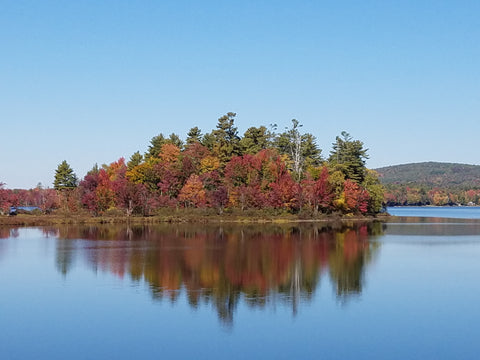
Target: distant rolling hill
<point>432,174</point>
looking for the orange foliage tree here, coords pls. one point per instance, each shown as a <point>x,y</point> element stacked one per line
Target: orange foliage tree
<point>193,193</point>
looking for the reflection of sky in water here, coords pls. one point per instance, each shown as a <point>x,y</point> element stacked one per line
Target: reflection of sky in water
<point>415,302</point>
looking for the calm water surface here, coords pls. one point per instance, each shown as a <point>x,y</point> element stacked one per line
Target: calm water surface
<point>458,212</point>
<point>401,290</point>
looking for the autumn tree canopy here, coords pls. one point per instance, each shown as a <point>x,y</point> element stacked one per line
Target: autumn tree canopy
<point>222,170</point>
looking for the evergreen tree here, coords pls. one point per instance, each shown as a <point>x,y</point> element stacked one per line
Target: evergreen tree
<point>208,140</point>
<point>94,170</point>
<point>65,178</point>
<point>349,157</point>
<point>194,135</point>
<point>155,146</point>
<point>135,160</point>
<point>157,143</point>
<point>311,153</point>
<point>255,139</point>
<point>227,141</point>
<point>175,140</point>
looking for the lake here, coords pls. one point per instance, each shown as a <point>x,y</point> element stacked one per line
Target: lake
<point>401,290</point>
<point>462,212</point>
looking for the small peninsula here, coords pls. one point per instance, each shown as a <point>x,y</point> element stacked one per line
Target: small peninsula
<point>261,176</point>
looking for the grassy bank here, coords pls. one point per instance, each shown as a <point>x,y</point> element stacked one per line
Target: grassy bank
<point>178,216</point>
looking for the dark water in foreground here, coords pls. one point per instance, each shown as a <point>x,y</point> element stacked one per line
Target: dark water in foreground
<point>393,291</point>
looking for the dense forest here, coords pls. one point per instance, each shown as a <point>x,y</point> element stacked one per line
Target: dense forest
<point>431,183</point>
<point>220,171</point>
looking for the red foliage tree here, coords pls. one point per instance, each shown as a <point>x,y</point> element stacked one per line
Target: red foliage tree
<point>356,198</point>
<point>242,180</point>
<point>191,158</point>
<point>105,196</point>
<point>318,194</point>
<point>88,188</point>
<point>323,191</point>
<point>285,193</point>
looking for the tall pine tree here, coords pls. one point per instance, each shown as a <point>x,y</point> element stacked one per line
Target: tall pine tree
<point>349,157</point>
<point>65,178</point>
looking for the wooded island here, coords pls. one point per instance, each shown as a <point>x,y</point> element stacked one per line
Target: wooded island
<point>220,171</point>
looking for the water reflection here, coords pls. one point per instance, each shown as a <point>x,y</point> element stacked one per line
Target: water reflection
<point>6,233</point>
<point>224,265</point>
<point>426,226</point>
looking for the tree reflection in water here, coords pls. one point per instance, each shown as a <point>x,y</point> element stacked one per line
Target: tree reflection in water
<point>223,265</point>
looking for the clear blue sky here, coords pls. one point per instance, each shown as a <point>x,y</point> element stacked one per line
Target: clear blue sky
<point>91,81</point>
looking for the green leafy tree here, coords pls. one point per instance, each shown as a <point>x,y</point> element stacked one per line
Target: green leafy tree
<point>65,178</point>
<point>337,179</point>
<point>376,191</point>
<point>349,156</point>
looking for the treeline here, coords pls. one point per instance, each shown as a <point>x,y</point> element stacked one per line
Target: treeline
<point>401,194</point>
<point>431,183</point>
<point>223,171</point>
<point>433,174</point>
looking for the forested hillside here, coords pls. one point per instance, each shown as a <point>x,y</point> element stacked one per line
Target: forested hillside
<point>431,183</point>
<point>219,170</point>
<point>432,174</point>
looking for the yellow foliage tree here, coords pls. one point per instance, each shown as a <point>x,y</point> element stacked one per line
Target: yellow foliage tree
<point>209,163</point>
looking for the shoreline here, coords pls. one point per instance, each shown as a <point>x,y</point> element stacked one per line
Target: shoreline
<point>25,220</point>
